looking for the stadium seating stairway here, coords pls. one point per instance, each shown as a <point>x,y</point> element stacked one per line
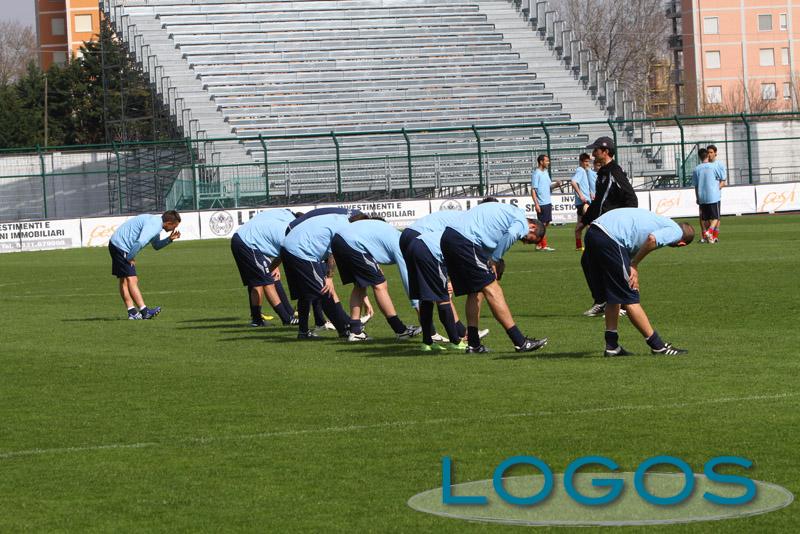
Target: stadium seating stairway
<point>236,68</point>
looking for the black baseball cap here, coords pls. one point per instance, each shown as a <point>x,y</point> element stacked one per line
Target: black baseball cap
<point>603,142</point>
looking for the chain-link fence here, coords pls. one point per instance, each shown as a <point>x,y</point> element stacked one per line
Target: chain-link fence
<point>81,181</point>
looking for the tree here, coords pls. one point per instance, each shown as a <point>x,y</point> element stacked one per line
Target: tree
<point>17,46</point>
<point>627,37</point>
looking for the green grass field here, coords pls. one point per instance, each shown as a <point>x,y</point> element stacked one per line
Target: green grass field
<point>196,422</point>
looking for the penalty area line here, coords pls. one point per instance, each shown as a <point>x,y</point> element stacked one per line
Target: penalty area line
<point>388,424</point>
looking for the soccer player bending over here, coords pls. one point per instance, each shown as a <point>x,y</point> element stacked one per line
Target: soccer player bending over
<point>616,243</point>
<point>309,267</point>
<point>360,249</point>
<point>255,246</point>
<point>131,237</point>
<point>471,248</point>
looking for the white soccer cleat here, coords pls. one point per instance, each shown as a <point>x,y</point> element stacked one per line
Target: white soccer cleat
<point>483,333</point>
<point>364,319</point>
<point>439,338</point>
<point>354,338</point>
<point>595,310</point>
<point>328,326</point>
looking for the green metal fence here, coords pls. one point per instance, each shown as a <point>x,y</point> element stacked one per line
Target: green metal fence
<point>75,181</point>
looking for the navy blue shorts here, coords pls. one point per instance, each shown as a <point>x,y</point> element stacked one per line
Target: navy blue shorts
<point>606,266</point>
<point>305,278</point>
<point>253,264</point>
<point>466,262</point>
<point>355,267</point>
<point>427,278</point>
<point>709,212</point>
<point>120,266</point>
<point>546,215</point>
<point>406,238</point>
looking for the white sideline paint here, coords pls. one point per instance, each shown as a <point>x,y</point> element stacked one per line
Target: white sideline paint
<point>387,424</point>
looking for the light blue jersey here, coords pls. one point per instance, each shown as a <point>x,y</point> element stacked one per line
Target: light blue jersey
<point>630,227</point>
<point>266,231</point>
<point>311,239</point>
<point>136,233</point>
<point>592,183</point>
<point>581,178</point>
<point>541,183</point>
<point>433,240</point>
<point>379,239</point>
<point>706,179</point>
<point>493,226</point>
<point>436,221</point>
<point>721,170</point>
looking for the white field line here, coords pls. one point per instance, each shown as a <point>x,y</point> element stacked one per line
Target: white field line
<point>389,424</point>
<point>112,292</point>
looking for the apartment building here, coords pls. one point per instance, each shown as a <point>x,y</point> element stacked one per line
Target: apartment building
<point>735,54</point>
<point>62,26</point>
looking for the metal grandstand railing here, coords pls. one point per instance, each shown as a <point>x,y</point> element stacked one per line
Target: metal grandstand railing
<point>58,182</point>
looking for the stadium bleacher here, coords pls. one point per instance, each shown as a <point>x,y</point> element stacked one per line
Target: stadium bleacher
<point>246,69</point>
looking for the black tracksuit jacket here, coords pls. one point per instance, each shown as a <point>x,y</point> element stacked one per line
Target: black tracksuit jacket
<point>613,191</point>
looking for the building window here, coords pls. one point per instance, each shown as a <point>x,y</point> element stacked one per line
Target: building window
<point>83,23</point>
<point>783,22</point>
<point>711,25</point>
<point>767,91</point>
<point>712,59</point>
<point>59,58</point>
<point>784,56</point>
<point>766,57</point>
<point>765,23</point>
<point>57,27</point>
<point>714,94</point>
<point>787,91</point>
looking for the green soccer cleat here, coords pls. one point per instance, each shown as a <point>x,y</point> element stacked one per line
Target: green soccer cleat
<point>432,348</point>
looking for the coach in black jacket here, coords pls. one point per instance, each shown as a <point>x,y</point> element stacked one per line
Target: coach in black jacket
<point>613,191</point>
<point>613,188</point>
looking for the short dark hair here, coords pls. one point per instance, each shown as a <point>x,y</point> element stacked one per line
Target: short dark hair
<point>541,157</point>
<point>702,154</point>
<point>712,147</point>
<point>488,199</point>
<point>376,218</point>
<point>298,214</point>
<point>358,217</point>
<point>584,157</point>
<point>540,228</point>
<point>171,216</point>
<point>688,233</point>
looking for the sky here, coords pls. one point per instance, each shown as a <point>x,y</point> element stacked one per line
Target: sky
<point>23,11</point>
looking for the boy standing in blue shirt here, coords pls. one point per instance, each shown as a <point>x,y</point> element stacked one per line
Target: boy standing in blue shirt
<point>710,226</point>
<point>360,248</point>
<point>616,243</point>
<point>540,191</point>
<point>580,184</point>
<point>131,237</point>
<point>471,249</point>
<point>255,245</point>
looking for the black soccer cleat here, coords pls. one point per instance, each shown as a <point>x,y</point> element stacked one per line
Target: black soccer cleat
<point>668,350</point>
<point>619,351</point>
<point>480,349</point>
<point>531,344</point>
<point>308,335</point>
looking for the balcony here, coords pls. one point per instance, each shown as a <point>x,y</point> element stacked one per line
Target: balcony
<point>676,77</point>
<point>675,42</point>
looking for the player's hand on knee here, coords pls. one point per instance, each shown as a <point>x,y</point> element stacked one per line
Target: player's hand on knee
<point>633,278</point>
<point>327,288</point>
